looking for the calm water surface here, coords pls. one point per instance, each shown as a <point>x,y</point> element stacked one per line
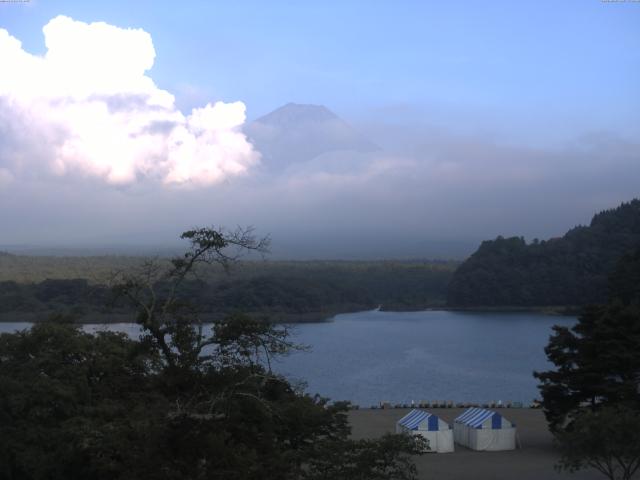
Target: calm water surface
<point>367,357</point>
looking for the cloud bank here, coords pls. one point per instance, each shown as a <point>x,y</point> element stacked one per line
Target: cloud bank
<point>87,108</point>
<point>86,116</point>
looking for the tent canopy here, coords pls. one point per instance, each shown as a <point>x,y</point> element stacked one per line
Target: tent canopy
<point>437,432</point>
<point>420,420</point>
<point>480,418</point>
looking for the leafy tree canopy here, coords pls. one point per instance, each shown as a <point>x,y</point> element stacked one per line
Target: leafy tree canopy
<point>606,440</point>
<point>179,403</point>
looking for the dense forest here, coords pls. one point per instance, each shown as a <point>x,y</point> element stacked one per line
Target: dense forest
<point>567,271</point>
<point>280,291</point>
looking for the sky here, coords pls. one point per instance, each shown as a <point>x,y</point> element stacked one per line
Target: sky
<point>122,122</point>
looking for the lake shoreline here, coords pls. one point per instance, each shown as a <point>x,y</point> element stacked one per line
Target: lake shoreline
<point>285,318</point>
<point>559,310</point>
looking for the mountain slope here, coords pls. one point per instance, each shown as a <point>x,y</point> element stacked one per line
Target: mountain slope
<point>571,270</point>
<point>296,133</point>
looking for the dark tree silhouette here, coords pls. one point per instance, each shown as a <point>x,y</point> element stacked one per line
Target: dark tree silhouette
<point>182,402</point>
<point>592,397</point>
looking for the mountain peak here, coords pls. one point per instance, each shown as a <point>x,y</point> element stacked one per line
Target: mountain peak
<point>297,133</point>
<point>298,112</point>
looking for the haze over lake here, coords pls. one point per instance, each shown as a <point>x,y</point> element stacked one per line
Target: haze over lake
<point>368,357</point>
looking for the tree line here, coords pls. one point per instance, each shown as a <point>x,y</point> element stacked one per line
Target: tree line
<point>571,270</point>
<point>290,291</point>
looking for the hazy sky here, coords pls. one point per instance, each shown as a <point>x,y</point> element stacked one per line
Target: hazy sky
<point>492,117</point>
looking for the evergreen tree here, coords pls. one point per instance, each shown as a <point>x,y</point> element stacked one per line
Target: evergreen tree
<point>592,398</point>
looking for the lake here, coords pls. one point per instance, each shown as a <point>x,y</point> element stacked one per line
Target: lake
<point>368,357</point>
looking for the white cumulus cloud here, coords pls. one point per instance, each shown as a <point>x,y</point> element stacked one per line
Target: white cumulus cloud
<point>86,107</point>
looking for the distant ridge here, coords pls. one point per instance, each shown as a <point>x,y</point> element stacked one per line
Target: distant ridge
<point>292,114</point>
<point>297,133</point>
<point>90,251</point>
<point>569,271</point>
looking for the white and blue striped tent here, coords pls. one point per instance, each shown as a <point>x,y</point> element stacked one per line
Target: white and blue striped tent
<point>481,429</point>
<point>434,429</point>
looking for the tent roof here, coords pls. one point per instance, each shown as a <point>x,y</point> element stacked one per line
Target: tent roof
<point>475,417</point>
<point>415,417</point>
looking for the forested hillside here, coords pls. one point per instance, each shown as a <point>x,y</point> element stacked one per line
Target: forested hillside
<point>281,291</point>
<point>567,271</point>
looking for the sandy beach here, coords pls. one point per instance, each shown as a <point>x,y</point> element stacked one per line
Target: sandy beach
<point>534,461</point>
